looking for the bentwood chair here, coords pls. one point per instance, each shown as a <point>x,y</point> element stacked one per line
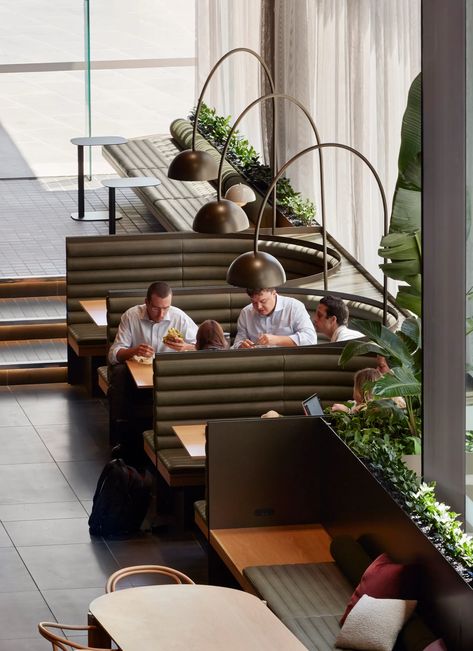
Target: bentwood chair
<point>60,643</point>
<point>178,577</point>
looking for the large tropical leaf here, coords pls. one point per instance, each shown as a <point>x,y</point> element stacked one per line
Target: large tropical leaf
<point>354,348</point>
<point>410,299</point>
<point>412,329</point>
<point>411,140</point>
<point>401,248</point>
<point>400,382</point>
<point>388,343</point>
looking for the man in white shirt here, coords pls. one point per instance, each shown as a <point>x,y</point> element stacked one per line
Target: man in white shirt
<point>331,319</point>
<point>141,332</point>
<point>143,327</point>
<point>274,320</point>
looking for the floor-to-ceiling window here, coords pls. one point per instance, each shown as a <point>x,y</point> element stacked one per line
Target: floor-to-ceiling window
<point>142,57</point>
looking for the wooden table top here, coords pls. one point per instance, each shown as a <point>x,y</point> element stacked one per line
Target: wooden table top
<point>192,438</point>
<point>240,548</point>
<point>142,374</point>
<point>97,309</point>
<point>197,617</point>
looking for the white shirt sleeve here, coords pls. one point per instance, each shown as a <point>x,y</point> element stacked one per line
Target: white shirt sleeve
<point>123,338</point>
<point>304,331</point>
<point>242,328</point>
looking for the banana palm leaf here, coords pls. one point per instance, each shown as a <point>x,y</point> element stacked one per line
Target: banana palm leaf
<point>400,382</point>
<point>388,343</point>
<point>412,329</point>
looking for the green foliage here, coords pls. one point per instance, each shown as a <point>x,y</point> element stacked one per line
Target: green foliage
<point>469,441</point>
<point>245,157</point>
<point>402,246</point>
<point>404,354</point>
<point>380,421</point>
<point>419,500</point>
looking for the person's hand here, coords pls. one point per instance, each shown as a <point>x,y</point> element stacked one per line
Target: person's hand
<point>339,407</point>
<point>246,343</point>
<point>267,340</point>
<point>178,344</point>
<point>143,350</point>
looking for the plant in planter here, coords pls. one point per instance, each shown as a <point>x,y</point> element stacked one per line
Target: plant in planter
<point>216,129</point>
<point>404,354</point>
<point>418,500</point>
<point>402,246</point>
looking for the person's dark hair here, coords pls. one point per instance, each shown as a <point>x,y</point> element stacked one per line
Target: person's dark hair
<point>258,290</point>
<point>337,308</point>
<point>158,288</point>
<point>210,336</point>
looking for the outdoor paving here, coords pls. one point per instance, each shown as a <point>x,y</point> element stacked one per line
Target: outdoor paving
<point>35,220</point>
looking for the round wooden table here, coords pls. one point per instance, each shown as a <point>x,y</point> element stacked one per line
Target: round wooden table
<point>197,617</point>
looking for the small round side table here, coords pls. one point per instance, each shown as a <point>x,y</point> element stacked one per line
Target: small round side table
<point>127,182</point>
<point>95,141</point>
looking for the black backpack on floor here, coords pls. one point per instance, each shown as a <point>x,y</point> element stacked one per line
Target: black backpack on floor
<point>121,500</point>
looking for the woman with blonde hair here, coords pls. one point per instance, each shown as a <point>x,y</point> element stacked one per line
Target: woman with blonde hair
<point>362,393</point>
<point>210,336</point>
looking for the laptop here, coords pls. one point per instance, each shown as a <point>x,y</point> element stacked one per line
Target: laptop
<point>312,406</point>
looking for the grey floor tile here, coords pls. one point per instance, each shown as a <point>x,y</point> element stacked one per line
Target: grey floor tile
<point>41,511</point>
<point>49,532</point>
<point>22,445</point>
<point>33,482</point>
<point>69,442</point>
<point>71,605</point>
<point>27,644</point>
<point>82,476</point>
<point>69,566</point>
<point>12,413</point>
<point>14,576</point>
<point>56,412</point>
<point>87,505</point>
<point>20,613</point>
<point>5,540</point>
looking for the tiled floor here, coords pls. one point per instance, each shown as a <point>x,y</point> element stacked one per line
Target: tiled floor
<point>54,442</point>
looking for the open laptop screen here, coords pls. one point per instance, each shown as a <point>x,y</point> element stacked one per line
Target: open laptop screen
<point>312,406</point>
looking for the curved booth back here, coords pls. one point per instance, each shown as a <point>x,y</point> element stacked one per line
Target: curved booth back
<point>96,265</point>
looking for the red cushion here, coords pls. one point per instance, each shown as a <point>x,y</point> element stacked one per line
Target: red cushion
<point>437,645</point>
<point>384,579</point>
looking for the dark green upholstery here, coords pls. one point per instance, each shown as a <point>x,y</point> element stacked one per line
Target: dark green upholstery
<point>175,203</point>
<point>96,265</point>
<point>311,597</point>
<point>197,386</point>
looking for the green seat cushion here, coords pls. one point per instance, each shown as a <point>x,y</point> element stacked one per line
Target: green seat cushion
<point>301,590</point>
<point>200,507</point>
<point>103,372</point>
<point>88,333</point>
<point>350,557</point>
<point>178,460</point>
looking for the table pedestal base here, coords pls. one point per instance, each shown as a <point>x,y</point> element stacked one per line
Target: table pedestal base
<point>93,216</point>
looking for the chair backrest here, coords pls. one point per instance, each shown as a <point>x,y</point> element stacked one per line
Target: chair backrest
<point>134,570</point>
<point>60,643</point>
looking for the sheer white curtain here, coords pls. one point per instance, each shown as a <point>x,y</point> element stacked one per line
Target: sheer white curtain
<point>351,63</point>
<point>222,25</point>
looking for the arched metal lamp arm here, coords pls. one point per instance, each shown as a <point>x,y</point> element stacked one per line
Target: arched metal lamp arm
<point>320,146</point>
<point>211,74</point>
<point>289,98</point>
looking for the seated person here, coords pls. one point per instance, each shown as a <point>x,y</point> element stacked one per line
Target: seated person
<point>362,394</point>
<point>273,320</point>
<point>331,319</point>
<point>143,327</point>
<point>210,336</point>
<point>141,332</point>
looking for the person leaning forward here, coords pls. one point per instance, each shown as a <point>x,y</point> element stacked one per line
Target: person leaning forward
<point>273,320</point>
<point>141,332</point>
<point>331,318</point>
<point>143,327</point>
